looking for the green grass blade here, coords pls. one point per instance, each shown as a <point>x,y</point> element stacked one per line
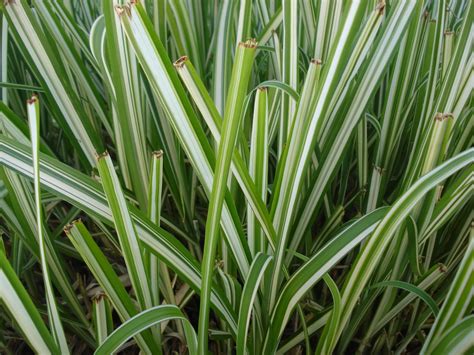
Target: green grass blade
<point>145,320</point>
<point>224,44</point>
<point>258,166</point>
<point>411,288</point>
<point>183,33</point>
<point>413,248</point>
<point>454,198</point>
<point>20,87</point>
<point>289,68</point>
<point>53,314</point>
<point>102,318</point>
<point>342,149</point>
<point>458,339</point>
<point>313,270</point>
<point>457,302</point>
<point>249,294</point>
<point>245,21</point>
<point>155,188</point>
<point>432,276</point>
<point>107,278</point>
<point>126,231</point>
<point>15,298</point>
<point>124,80</point>
<point>302,141</point>
<point>328,336</point>
<point>334,151</point>
<point>94,104</point>
<point>239,82</point>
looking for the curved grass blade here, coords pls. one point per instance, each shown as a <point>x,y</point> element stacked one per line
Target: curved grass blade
<point>328,337</point>
<point>21,203</point>
<point>287,89</point>
<point>145,320</point>
<point>411,288</point>
<point>433,276</point>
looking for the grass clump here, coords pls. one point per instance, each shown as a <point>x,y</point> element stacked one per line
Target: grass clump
<point>236,176</point>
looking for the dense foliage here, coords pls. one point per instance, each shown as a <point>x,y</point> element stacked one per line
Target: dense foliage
<point>253,176</point>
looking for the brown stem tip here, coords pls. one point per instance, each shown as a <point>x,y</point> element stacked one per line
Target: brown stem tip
<point>122,9</point>
<point>381,7</point>
<point>157,154</point>
<point>68,227</point>
<point>250,43</point>
<point>101,155</point>
<point>180,62</point>
<point>379,170</point>
<point>99,296</point>
<point>316,61</point>
<point>32,100</point>
<point>443,116</point>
